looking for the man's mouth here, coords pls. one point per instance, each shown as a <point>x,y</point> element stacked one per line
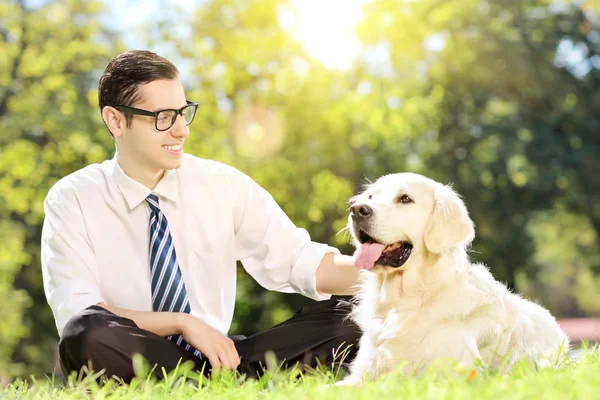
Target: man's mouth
<point>371,252</point>
<point>174,148</point>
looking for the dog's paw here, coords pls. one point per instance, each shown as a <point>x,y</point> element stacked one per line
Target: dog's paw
<point>348,382</point>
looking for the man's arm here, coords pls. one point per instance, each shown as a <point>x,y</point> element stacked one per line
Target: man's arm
<point>218,348</point>
<point>68,261</point>
<point>337,275</point>
<point>279,255</point>
<point>161,323</point>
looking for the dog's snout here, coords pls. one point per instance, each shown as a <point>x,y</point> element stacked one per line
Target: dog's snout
<point>362,211</point>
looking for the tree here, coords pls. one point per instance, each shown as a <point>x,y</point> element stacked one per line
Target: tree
<point>49,127</point>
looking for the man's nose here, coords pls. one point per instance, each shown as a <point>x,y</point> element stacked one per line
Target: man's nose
<point>361,211</point>
<point>179,128</point>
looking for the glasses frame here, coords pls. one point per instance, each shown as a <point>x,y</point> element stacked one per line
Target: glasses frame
<point>139,111</point>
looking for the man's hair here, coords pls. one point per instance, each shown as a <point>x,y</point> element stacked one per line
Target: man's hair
<point>119,83</point>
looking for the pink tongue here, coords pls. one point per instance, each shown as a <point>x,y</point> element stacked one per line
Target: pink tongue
<point>366,255</point>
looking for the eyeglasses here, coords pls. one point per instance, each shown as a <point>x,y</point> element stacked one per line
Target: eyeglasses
<point>164,119</point>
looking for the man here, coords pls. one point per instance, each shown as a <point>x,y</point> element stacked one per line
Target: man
<point>139,253</point>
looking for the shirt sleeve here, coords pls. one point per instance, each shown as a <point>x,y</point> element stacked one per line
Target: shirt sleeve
<point>276,253</point>
<point>67,258</point>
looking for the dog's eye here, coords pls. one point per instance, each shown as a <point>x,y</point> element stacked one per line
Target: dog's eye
<point>370,196</point>
<point>404,199</point>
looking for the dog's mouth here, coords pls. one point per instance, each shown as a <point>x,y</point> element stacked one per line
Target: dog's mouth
<point>371,252</point>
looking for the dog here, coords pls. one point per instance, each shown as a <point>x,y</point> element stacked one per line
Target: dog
<point>420,299</point>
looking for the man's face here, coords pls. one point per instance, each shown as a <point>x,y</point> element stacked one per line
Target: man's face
<point>151,149</point>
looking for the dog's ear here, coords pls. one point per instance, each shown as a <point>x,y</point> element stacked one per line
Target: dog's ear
<point>449,224</point>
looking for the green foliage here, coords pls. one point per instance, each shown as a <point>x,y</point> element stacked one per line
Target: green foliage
<point>578,380</point>
<point>49,127</point>
<point>568,251</point>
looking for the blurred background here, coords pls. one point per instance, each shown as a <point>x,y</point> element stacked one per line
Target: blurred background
<point>313,98</point>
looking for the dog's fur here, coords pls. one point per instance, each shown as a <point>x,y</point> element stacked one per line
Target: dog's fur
<point>438,305</point>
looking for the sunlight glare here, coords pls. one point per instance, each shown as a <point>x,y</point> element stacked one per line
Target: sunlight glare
<point>326,29</point>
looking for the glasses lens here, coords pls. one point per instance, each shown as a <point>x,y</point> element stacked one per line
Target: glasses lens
<point>165,119</point>
<point>188,114</point>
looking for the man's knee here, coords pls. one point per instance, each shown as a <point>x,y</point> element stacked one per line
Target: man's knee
<point>350,332</point>
<point>84,326</point>
<point>83,339</point>
<point>346,329</point>
<point>344,334</point>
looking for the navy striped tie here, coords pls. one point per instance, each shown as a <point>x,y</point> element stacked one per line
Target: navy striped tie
<point>168,288</point>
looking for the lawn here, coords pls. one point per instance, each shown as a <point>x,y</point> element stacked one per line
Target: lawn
<point>579,379</point>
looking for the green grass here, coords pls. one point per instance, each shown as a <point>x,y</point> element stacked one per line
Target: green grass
<point>579,379</point>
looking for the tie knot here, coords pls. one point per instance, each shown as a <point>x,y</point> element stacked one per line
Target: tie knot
<point>152,200</point>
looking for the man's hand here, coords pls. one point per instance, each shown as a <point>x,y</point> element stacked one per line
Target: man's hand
<point>215,346</point>
<point>337,275</point>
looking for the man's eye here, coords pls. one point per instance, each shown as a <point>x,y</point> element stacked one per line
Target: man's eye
<point>404,199</point>
<point>166,116</point>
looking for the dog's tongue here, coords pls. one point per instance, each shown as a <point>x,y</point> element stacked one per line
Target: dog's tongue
<point>367,254</point>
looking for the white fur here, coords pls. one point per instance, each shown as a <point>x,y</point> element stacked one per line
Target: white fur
<point>438,305</point>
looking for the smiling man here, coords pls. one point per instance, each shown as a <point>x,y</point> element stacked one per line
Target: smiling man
<point>139,253</point>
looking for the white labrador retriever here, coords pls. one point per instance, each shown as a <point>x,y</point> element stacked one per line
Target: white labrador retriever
<point>420,297</point>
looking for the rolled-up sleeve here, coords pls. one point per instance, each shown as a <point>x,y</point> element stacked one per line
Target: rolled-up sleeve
<point>67,258</point>
<point>277,254</point>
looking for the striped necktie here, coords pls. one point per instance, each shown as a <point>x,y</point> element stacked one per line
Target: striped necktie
<point>168,288</point>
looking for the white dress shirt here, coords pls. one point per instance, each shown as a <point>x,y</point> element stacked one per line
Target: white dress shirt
<point>95,240</point>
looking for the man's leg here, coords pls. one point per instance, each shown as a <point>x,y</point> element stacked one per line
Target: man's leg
<point>320,333</point>
<point>109,342</point>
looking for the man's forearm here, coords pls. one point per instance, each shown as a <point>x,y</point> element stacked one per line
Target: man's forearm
<point>337,275</point>
<point>214,345</point>
<point>161,323</point>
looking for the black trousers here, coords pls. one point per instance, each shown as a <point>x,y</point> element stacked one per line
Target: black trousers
<point>318,333</point>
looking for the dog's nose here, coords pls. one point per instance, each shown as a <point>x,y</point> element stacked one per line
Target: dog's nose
<point>362,211</point>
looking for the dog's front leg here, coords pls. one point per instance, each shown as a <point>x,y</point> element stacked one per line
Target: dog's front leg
<point>455,345</point>
<point>357,372</point>
<point>361,364</point>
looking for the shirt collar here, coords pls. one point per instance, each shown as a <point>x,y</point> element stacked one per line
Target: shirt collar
<point>135,192</point>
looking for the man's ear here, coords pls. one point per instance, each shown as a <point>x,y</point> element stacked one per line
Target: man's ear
<point>114,120</point>
<point>449,224</point>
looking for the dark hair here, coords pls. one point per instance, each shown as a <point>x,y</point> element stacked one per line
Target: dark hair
<point>119,83</point>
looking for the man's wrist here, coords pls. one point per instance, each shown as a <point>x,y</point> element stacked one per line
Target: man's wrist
<point>337,275</point>
<point>181,321</point>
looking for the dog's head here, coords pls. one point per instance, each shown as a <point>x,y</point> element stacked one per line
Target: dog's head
<point>404,213</point>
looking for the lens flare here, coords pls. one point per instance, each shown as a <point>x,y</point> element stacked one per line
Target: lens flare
<point>258,132</point>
